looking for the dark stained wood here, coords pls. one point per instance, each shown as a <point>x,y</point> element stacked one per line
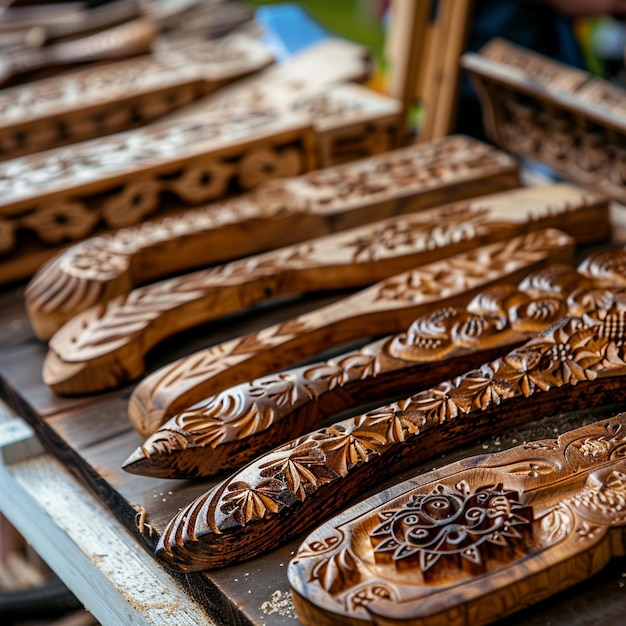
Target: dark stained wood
<point>287,490</point>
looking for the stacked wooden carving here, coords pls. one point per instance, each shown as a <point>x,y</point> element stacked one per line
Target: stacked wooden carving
<point>558,115</point>
<point>111,98</point>
<point>286,212</point>
<point>69,193</point>
<point>540,346</point>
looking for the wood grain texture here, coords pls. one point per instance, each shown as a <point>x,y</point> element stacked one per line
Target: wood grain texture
<point>88,103</point>
<point>64,195</point>
<point>92,436</point>
<point>388,306</point>
<point>473,541</point>
<point>230,428</point>
<point>289,211</point>
<point>552,113</point>
<point>296,485</point>
<point>123,331</point>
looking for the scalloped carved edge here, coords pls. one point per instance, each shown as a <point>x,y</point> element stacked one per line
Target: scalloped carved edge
<point>578,360</point>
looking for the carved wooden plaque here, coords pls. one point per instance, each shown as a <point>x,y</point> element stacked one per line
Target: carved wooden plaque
<point>388,306</point>
<point>114,97</point>
<point>474,541</point>
<point>577,362</point>
<point>557,115</point>
<point>70,193</point>
<point>289,211</point>
<point>232,427</point>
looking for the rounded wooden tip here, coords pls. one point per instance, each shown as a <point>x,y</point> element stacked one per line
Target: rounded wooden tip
<point>82,377</point>
<point>143,416</point>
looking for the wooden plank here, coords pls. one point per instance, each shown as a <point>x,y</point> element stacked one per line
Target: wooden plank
<point>257,590</point>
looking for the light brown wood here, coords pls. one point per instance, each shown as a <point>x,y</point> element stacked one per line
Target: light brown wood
<point>67,194</point>
<point>474,541</point>
<point>558,115</point>
<point>108,345</point>
<point>229,429</point>
<point>350,120</point>
<point>446,42</point>
<point>86,103</point>
<point>577,362</point>
<point>280,213</point>
<point>388,306</point>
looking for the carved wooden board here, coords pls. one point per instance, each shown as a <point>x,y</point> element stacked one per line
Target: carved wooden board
<point>291,488</point>
<point>288,211</point>
<point>230,428</point>
<point>473,541</point>
<point>557,115</point>
<point>70,193</point>
<point>92,437</point>
<point>388,306</point>
<point>129,326</point>
<point>110,98</point>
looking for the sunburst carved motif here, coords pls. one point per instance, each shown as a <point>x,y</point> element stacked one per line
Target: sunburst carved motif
<point>453,526</point>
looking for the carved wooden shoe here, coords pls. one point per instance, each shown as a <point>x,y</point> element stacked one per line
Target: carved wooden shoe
<point>290,211</point>
<point>388,306</point>
<point>232,427</point>
<point>355,258</point>
<point>578,362</point>
<point>474,541</point>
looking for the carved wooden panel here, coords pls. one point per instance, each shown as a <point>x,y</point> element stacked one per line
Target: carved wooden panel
<point>577,362</point>
<point>99,338</point>
<point>232,427</point>
<point>557,115</point>
<point>69,193</point>
<point>288,211</point>
<point>388,306</point>
<point>474,541</point>
<point>110,98</point>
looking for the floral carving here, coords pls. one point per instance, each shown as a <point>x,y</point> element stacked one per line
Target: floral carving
<point>476,533</point>
<point>453,526</point>
<point>573,351</point>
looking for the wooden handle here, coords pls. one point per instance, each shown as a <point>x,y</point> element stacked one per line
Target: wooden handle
<point>228,429</point>
<point>126,328</point>
<point>386,307</point>
<point>578,362</point>
<point>288,212</point>
<point>474,541</point>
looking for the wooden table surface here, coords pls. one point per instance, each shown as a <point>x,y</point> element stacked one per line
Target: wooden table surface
<point>90,437</point>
